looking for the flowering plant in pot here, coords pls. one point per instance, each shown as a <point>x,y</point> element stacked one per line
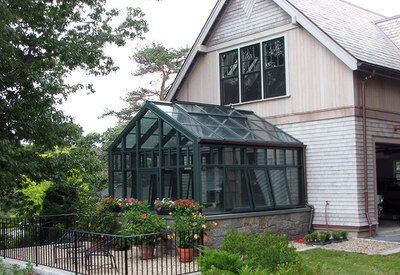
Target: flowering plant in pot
<point>190,231</point>
<point>145,226</point>
<point>187,206</point>
<point>164,206</point>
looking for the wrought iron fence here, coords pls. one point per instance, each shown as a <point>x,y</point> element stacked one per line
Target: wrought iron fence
<point>51,241</point>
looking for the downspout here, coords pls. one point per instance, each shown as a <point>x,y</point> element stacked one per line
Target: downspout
<point>364,118</point>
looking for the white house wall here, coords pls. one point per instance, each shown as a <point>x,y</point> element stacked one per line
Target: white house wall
<point>332,169</point>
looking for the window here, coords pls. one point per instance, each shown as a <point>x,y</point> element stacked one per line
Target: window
<point>262,72</point>
<point>397,170</point>
<point>229,77</point>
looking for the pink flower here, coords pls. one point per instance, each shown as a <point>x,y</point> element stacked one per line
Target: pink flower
<point>143,216</point>
<point>120,205</point>
<point>119,214</point>
<point>159,208</point>
<point>19,259</point>
<point>130,200</point>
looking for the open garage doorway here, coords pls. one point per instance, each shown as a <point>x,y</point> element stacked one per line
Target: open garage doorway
<point>388,185</point>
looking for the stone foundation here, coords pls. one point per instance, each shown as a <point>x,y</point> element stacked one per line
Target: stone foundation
<point>291,222</point>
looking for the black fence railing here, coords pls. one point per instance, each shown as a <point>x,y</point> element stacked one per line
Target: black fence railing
<point>52,242</point>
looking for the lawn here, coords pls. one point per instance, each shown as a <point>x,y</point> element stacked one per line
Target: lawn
<point>334,262</point>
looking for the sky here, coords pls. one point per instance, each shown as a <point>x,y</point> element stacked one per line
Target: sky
<point>174,23</point>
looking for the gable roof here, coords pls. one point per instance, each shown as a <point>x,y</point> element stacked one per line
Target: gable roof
<point>204,123</point>
<point>345,29</point>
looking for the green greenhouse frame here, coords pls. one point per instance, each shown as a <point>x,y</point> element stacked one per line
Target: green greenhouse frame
<point>228,159</point>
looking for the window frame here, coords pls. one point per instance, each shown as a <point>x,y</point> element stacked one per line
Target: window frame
<point>262,71</point>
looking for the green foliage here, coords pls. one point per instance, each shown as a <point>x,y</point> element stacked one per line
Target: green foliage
<point>344,234</point>
<point>322,236</point>
<point>138,220</point>
<point>265,252</point>
<point>314,236</point>
<point>297,267</point>
<point>93,216</point>
<point>328,236</point>
<point>219,262</point>
<point>336,235</point>
<point>34,193</point>
<point>307,238</point>
<point>41,43</point>
<point>16,270</point>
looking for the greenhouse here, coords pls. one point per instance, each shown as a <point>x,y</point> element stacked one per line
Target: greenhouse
<point>228,159</point>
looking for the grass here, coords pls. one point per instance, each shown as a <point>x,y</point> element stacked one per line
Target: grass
<point>339,262</point>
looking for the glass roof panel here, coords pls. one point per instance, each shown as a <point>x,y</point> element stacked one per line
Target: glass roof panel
<point>223,123</point>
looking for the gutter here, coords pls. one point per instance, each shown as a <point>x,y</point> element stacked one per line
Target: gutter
<point>364,119</point>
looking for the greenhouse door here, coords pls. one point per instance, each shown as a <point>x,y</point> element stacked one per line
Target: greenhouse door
<point>148,185</point>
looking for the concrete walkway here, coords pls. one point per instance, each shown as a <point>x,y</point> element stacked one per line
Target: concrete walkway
<point>389,231</point>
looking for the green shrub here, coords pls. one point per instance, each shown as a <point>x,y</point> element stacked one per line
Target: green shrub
<point>328,236</point>
<point>265,252</point>
<point>314,236</point>
<point>336,235</point>
<point>344,234</point>
<point>307,238</point>
<point>16,269</point>
<point>322,236</point>
<point>219,262</point>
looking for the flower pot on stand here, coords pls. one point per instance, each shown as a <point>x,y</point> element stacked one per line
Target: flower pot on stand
<point>185,255</point>
<point>146,252</point>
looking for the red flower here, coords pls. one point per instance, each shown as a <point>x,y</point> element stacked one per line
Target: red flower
<point>143,216</point>
<point>139,227</point>
<point>157,219</point>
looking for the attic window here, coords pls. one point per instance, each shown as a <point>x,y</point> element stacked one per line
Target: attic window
<point>256,81</point>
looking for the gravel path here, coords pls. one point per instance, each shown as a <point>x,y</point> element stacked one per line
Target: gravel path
<point>366,246</point>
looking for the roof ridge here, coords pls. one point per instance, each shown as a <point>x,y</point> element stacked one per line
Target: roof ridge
<point>387,19</point>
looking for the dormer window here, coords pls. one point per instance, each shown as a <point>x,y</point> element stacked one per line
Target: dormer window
<point>262,76</point>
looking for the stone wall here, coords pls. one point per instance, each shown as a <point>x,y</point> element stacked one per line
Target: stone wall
<point>293,223</point>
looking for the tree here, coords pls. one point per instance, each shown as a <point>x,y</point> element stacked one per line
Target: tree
<point>156,60</point>
<point>41,42</point>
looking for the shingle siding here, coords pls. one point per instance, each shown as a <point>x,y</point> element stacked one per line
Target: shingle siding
<point>235,23</point>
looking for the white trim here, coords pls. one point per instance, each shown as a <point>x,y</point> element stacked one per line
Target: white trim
<point>261,100</point>
<point>321,36</point>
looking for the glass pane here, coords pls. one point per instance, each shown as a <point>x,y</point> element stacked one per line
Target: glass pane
<point>271,156</point>
<point>225,133</point>
<point>118,184</point>
<point>250,59</point>
<point>205,155</point>
<point>130,185</point>
<point>149,187</point>
<point>251,155</point>
<point>212,189</point>
<point>169,184</point>
<point>117,161</point>
<point>233,156</point>
<point>280,154</point>
<point>186,156</point>
<point>251,86</point>
<point>293,181</point>
<point>229,64</point>
<point>274,82</point>
<point>169,138</point>
<point>289,157</point>
<point>230,91</point>
<point>274,53</point>
<point>128,161</point>
<point>279,187</point>
<point>237,193</point>
<point>260,187</point>
<point>187,191</point>
<point>131,139</point>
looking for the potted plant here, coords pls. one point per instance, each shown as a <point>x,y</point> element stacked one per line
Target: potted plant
<point>164,206</point>
<point>190,229</point>
<point>146,228</point>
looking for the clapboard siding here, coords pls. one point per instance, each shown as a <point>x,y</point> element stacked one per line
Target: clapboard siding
<point>332,173</point>
<point>235,23</point>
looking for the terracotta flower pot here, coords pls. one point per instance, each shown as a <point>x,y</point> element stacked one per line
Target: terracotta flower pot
<point>146,252</point>
<point>186,255</point>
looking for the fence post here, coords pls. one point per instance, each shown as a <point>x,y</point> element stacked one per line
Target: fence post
<point>36,234</point>
<point>126,255</point>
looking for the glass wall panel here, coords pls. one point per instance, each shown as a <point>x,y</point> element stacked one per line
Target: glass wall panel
<point>260,187</point>
<point>169,187</point>
<point>117,161</point>
<point>118,184</point>
<point>271,157</point>
<point>130,185</point>
<point>187,191</point>
<point>149,187</point>
<point>237,192</point>
<point>280,157</point>
<point>131,139</point>
<point>212,189</point>
<point>279,187</point>
<point>294,185</point>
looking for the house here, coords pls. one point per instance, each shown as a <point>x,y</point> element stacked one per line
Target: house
<point>309,67</point>
<point>326,73</point>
